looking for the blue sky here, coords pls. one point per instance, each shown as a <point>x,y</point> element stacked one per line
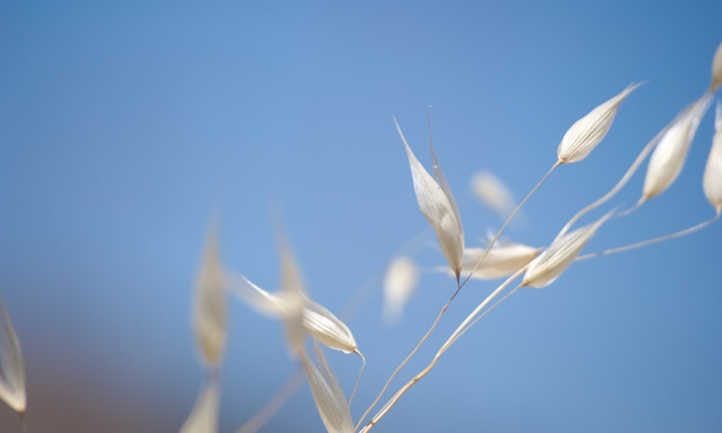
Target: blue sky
<point>124,128</point>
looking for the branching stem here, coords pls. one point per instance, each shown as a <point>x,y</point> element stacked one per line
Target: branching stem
<point>459,285</point>
<point>508,220</point>
<point>293,384</point>
<point>641,244</point>
<point>460,330</point>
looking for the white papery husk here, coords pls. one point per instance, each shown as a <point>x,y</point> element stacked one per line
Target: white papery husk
<point>209,307</point>
<point>293,294</point>
<point>492,192</point>
<point>716,69</point>
<point>712,181</point>
<point>668,159</point>
<point>437,204</point>
<point>587,132</point>
<point>554,260</point>
<point>400,281</point>
<point>204,416</point>
<point>328,395</point>
<point>12,366</point>
<point>502,260</point>
<point>316,320</point>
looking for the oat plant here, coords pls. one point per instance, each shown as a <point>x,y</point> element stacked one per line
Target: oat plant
<point>310,328</point>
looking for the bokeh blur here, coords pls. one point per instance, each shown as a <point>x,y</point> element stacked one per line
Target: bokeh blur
<point>125,126</point>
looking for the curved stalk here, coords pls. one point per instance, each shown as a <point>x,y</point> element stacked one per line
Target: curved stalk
<point>508,220</point>
<point>460,330</point>
<point>643,154</point>
<point>479,313</point>
<point>460,285</point>
<point>490,309</point>
<point>616,188</point>
<point>406,360</point>
<point>358,376</point>
<point>641,244</point>
<point>274,405</point>
<point>470,320</point>
<point>293,384</point>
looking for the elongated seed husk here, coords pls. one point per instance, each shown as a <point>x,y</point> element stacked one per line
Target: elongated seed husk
<point>492,192</point>
<point>437,204</point>
<point>328,395</point>
<point>317,320</point>
<point>12,366</point>
<point>716,69</point>
<point>501,261</point>
<point>712,181</point>
<point>204,416</point>
<point>294,296</point>
<point>210,312</point>
<point>554,260</point>
<point>328,329</point>
<point>668,159</point>
<point>400,282</point>
<point>587,132</point>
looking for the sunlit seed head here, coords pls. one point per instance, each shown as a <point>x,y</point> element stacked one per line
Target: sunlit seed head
<point>669,156</point>
<point>716,80</point>
<point>402,276</point>
<point>437,204</point>
<point>492,192</point>
<point>553,261</point>
<point>712,181</point>
<point>12,366</point>
<point>587,132</point>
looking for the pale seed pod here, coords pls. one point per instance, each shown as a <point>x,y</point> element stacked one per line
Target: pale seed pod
<point>12,366</point>
<point>668,159</point>
<point>712,181</point>
<point>553,261</point>
<point>317,321</point>
<point>294,299</point>
<point>328,329</point>
<point>716,69</point>
<point>500,261</point>
<point>586,133</point>
<point>400,281</point>
<point>492,192</point>
<point>209,311</point>
<point>328,395</point>
<point>437,204</point>
<point>204,416</point>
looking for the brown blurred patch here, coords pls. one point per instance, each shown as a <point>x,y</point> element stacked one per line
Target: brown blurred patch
<point>70,404</point>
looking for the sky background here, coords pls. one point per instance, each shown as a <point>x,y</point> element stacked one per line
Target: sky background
<point>123,128</point>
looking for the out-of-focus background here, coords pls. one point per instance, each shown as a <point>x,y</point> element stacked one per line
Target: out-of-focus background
<point>124,128</point>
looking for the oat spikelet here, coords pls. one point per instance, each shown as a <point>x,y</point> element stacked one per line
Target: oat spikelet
<point>209,310</point>
<point>669,156</point>
<point>12,366</point>
<point>712,181</point>
<point>554,260</point>
<point>437,204</point>
<point>586,133</point>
